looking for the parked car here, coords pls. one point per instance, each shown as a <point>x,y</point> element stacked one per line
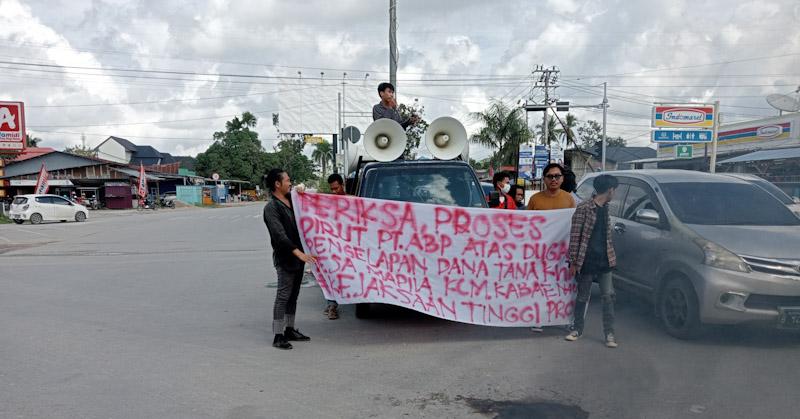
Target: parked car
<point>705,249</point>
<point>39,208</point>
<point>771,188</point>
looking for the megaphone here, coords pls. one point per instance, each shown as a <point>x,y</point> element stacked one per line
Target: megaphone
<point>446,138</point>
<point>385,140</point>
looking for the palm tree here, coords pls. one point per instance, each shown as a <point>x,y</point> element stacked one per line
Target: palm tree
<point>32,141</point>
<point>503,129</point>
<point>322,155</point>
<point>552,134</point>
<point>571,123</point>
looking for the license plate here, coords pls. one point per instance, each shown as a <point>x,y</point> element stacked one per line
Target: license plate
<point>789,317</point>
<point>17,216</point>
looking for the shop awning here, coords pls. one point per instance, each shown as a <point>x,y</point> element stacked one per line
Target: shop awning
<point>32,182</point>
<point>135,173</point>
<point>761,155</point>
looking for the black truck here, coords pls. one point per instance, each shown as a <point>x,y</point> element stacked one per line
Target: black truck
<point>442,182</point>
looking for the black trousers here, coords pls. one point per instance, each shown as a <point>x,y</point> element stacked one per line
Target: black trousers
<point>286,299</point>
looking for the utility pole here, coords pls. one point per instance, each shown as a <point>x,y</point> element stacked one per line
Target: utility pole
<point>605,112</point>
<point>546,103</point>
<point>393,44</point>
<point>713,166</point>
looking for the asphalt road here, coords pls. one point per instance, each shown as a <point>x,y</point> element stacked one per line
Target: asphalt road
<point>168,315</point>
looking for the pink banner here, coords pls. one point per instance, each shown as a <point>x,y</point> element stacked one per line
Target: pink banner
<point>473,265</point>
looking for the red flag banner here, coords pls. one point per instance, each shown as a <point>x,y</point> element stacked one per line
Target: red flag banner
<point>142,189</point>
<point>42,182</point>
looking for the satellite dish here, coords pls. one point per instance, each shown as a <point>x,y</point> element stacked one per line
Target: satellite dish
<point>783,103</point>
<point>351,134</point>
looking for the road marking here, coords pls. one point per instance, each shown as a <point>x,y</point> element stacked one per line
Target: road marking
<point>31,232</point>
<point>7,240</point>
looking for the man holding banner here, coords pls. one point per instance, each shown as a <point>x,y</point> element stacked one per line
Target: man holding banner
<point>592,257</point>
<point>287,256</point>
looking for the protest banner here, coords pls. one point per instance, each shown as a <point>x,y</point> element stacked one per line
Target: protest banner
<point>474,265</point>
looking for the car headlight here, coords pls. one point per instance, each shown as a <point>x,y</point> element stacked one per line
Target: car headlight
<point>722,258</point>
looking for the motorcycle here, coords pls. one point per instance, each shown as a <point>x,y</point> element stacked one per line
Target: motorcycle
<point>92,203</point>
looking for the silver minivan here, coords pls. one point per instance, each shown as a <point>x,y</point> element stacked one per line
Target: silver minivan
<point>705,249</point>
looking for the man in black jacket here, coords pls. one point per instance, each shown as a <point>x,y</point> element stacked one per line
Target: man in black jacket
<point>287,256</point>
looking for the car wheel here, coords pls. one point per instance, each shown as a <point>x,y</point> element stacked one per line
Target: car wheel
<point>36,218</point>
<point>19,221</point>
<point>679,310</point>
<point>362,311</point>
<point>80,216</point>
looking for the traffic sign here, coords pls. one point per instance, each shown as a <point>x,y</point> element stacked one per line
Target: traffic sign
<point>683,136</point>
<point>683,151</point>
<point>215,176</point>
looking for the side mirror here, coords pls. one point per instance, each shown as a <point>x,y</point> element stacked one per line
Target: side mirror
<point>648,216</point>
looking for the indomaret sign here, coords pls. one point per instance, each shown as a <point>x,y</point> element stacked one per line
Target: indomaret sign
<point>472,265</point>
<point>12,127</point>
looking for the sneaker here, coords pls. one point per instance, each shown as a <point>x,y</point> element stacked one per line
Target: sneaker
<point>535,329</point>
<point>280,342</point>
<point>333,313</point>
<point>573,336</point>
<point>611,342</point>
<point>293,334</point>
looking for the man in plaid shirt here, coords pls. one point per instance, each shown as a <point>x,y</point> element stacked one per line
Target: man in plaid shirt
<point>591,256</point>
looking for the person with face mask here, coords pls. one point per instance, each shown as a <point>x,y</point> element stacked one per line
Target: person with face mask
<point>502,185</point>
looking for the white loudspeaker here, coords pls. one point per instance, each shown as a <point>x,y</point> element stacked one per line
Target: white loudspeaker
<point>385,140</point>
<point>446,138</point>
<point>355,153</point>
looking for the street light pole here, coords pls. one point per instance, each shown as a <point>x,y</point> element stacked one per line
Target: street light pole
<point>605,111</point>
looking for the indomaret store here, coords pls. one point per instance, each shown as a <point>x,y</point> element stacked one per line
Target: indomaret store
<point>769,148</point>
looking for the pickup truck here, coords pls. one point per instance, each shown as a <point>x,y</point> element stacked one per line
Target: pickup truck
<point>441,182</point>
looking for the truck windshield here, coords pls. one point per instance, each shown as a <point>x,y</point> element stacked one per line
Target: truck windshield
<point>428,185</point>
<point>726,204</point>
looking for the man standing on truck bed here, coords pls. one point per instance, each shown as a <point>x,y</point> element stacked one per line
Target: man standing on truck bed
<point>287,256</point>
<point>387,108</point>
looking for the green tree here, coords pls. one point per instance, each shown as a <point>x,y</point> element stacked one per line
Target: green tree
<point>81,151</point>
<point>415,132</point>
<point>290,157</point>
<point>503,129</point>
<point>552,130</point>
<point>571,123</point>
<point>236,153</point>
<point>32,141</point>
<point>322,155</point>
<point>591,134</point>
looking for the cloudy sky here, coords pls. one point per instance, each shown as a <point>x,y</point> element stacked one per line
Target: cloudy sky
<point>169,73</point>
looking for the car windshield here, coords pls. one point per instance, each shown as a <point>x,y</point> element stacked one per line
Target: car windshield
<point>726,204</point>
<point>427,185</point>
<point>20,200</point>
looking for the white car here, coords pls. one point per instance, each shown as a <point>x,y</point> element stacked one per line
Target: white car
<point>38,208</point>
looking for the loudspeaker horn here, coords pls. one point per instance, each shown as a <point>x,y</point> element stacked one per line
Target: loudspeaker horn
<point>385,140</point>
<point>446,138</point>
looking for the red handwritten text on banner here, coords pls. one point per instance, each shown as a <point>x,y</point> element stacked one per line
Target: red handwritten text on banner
<point>473,265</point>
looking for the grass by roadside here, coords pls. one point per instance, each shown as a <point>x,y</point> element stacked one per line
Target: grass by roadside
<point>4,220</point>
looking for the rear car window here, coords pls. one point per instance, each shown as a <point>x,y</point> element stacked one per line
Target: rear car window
<point>726,204</point>
<point>20,200</point>
<point>428,185</point>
